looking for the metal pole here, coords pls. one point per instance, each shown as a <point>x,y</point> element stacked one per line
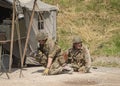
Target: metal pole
<point>12,36</point>
<point>28,34</point>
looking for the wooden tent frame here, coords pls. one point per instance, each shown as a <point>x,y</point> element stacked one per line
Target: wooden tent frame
<point>28,35</point>
<point>22,56</point>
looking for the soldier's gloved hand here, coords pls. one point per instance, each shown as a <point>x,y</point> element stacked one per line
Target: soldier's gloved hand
<point>45,72</point>
<point>39,52</point>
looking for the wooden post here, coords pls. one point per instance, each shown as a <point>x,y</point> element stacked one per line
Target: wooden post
<point>19,40</point>
<point>0,56</point>
<point>12,36</point>
<point>28,34</point>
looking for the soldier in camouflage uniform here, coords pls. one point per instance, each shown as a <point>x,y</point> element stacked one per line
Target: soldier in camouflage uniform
<point>79,56</point>
<point>49,55</point>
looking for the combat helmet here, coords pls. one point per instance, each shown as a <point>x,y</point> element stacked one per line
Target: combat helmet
<point>77,39</point>
<point>41,36</point>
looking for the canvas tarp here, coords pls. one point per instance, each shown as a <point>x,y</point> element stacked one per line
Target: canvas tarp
<point>5,4</point>
<point>41,5</point>
<point>48,12</point>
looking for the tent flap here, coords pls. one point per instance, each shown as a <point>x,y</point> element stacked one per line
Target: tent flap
<point>41,5</point>
<point>5,4</point>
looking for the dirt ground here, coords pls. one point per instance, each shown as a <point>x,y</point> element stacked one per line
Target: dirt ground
<point>33,77</point>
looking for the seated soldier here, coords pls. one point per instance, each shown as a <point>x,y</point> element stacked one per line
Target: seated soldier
<point>50,55</point>
<point>78,57</point>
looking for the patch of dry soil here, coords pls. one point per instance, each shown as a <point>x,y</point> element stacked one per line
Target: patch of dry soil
<point>33,77</point>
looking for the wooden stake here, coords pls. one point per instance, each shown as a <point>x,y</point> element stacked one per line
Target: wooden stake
<point>28,34</point>
<point>19,38</point>
<point>12,36</point>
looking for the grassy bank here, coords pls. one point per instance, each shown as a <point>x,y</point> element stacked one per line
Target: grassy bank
<point>96,21</point>
<point>106,61</point>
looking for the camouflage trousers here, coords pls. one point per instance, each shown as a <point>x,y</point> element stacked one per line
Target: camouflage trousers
<point>57,69</point>
<point>42,60</point>
<point>60,67</point>
<point>78,68</point>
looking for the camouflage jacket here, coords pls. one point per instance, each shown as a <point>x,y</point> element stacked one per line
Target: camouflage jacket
<point>49,49</point>
<point>79,58</point>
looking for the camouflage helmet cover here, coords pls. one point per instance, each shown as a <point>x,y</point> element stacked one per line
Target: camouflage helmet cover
<point>41,36</point>
<point>77,39</point>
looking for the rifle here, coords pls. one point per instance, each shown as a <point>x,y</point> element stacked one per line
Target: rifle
<point>73,57</point>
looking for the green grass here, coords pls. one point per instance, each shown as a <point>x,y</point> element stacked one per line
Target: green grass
<point>102,17</point>
<point>91,5</point>
<point>98,6</point>
<point>63,38</point>
<point>106,61</point>
<point>107,64</point>
<point>110,48</point>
